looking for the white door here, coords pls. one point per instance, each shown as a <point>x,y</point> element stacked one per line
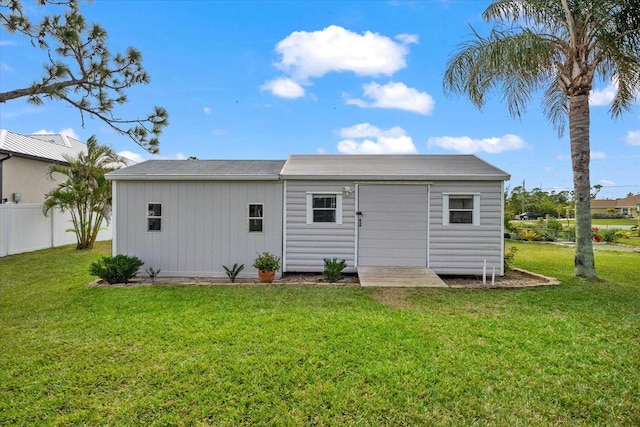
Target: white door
<point>392,225</point>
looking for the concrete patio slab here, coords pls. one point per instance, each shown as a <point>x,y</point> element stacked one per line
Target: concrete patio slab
<point>405,277</point>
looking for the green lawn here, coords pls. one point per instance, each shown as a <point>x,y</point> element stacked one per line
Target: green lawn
<point>612,222</point>
<point>299,355</point>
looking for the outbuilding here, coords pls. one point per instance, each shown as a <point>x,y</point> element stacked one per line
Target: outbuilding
<point>192,217</point>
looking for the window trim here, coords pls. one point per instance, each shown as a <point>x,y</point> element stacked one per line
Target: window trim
<point>312,194</point>
<point>152,216</point>
<point>261,218</point>
<point>475,221</point>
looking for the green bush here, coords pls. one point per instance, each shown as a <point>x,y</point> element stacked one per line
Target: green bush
<point>509,258</point>
<point>609,235</point>
<point>116,269</point>
<point>549,224</point>
<point>333,269</point>
<point>529,235</point>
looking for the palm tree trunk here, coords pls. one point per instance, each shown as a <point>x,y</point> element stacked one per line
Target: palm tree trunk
<point>580,157</point>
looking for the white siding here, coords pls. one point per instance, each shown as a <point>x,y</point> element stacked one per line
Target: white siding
<point>308,244</point>
<point>463,248</point>
<point>204,225</point>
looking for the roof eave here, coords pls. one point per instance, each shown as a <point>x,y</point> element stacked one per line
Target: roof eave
<point>31,157</point>
<point>447,177</point>
<point>189,177</point>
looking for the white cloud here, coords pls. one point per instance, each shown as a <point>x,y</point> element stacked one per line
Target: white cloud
<point>66,131</point>
<point>207,111</point>
<point>607,183</point>
<point>633,137</point>
<point>314,54</point>
<point>136,157</point>
<point>408,38</point>
<point>365,138</point>
<point>598,155</point>
<point>132,156</point>
<point>284,88</point>
<point>395,96</point>
<point>600,97</point>
<point>220,132</point>
<point>468,145</point>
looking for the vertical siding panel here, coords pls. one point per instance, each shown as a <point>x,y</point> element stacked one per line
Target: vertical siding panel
<point>204,225</point>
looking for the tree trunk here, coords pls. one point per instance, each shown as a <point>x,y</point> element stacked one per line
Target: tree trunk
<point>580,157</point>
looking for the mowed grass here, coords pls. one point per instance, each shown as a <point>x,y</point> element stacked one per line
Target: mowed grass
<point>301,355</point>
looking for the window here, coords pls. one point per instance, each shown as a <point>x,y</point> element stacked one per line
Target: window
<point>324,208</point>
<point>461,209</point>
<point>256,215</point>
<point>154,217</point>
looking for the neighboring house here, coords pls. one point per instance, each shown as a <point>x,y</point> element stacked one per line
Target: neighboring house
<point>191,217</point>
<point>24,160</point>
<point>628,207</point>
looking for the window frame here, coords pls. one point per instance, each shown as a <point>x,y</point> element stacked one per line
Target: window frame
<point>152,216</point>
<point>475,211</point>
<point>250,218</point>
<point>338,209</point>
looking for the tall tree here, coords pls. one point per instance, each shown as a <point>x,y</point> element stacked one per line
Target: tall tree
<point>85,193</point>
<point>561,46</point>
<point>81,71</point>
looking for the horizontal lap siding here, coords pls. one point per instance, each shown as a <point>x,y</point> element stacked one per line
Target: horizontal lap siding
<point>463,248</point>
<point>308,244</point>
<point>204,225</point>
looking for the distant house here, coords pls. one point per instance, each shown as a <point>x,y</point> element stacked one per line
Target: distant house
<point>24,160</point>
<point>628,207</point>
<point>191,217</point>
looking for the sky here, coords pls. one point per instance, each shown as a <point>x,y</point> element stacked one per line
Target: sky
<point>267,79</point>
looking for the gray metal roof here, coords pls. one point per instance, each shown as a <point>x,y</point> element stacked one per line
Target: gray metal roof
<point>48,147</point>
<point>168,170</point>
<point>391,167</point>
<point>327,167</point>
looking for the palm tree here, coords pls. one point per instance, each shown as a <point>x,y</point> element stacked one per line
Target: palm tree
<point>561,46</point>
<point>85,193</point>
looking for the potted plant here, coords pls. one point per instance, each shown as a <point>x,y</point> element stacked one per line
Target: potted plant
<point>267,265</point>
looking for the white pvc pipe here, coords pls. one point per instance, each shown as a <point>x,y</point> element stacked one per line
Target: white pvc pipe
<point>484,273</point>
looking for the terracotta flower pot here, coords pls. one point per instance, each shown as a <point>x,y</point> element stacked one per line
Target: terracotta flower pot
<point>266,276</point>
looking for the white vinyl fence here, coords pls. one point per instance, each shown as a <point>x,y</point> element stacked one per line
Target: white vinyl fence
<point>24,228</point>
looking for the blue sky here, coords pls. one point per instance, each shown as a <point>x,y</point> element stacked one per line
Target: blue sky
<point>265,79</point>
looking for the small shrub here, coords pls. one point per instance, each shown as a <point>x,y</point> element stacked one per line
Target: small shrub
<point>509,258</point>
<point>529,235</point>
<point>610,235</point>
<point>267,262</point>
<point>546,235</point>
<point>508,225</point>
<point>152,273</point>
<point>333,269</point>
<point>233,272</point>
<point>554,224</point>
<point>116,269</point>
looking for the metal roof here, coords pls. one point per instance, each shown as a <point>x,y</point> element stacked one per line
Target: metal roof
<point>190,170</point>
<point>391,167</point>
<point>321,167</point>
<point>47,147</point>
